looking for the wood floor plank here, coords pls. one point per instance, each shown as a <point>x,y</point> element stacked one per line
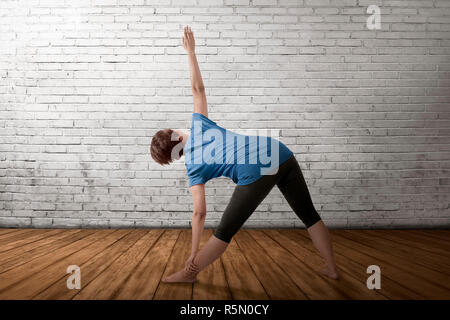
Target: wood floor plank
<point>395,269</point>
<point>13,232</point>
<point>388,253</point>
<point>439,234</point>
<point>23,271</point>
<point>110,280</point>
<point>415,240</point>
<point>308,280</point>
<point>36,245</point>
<point>242,281</point>
<point>258,264</point>
<point>18,235</point>
<point>37,282</point>
<point>355,264</point>
<point>351,283</point>
<point>17,244</point>
<point>400,247</point>
<point>211,282</point>
<point>144,280</point>
<point>425,241</point>
<point>7,230</point>
<point>177,259</point>
<point>12,260</point>
<point>275,281</point>
<point>91,268</point>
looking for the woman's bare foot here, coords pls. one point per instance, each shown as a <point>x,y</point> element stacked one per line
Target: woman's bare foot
<point>180,276</point>
<point>330,272</point>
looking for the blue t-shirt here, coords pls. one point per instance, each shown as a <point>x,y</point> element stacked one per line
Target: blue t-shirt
<point>213,151</point>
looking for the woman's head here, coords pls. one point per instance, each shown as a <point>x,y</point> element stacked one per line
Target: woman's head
<point>167,146</point>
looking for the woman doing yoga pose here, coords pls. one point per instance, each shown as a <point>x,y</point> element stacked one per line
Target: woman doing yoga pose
<point>211,151</point>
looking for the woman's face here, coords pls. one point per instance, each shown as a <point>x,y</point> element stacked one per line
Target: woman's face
<point>183,137</point>
<point>180,132</point>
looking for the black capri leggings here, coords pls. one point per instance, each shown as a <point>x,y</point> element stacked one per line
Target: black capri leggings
<point>246,199</point>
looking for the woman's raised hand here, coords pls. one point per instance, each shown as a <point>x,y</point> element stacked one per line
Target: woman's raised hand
<point>188,40</point>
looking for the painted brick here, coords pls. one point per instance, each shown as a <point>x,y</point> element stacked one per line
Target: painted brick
<point>85,85</point>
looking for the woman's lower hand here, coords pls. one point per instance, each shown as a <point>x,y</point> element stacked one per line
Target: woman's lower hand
<point>190,265</point>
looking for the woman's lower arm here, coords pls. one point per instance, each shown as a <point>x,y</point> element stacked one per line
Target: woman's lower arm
<point>196,76</point>
<point>198,222</point>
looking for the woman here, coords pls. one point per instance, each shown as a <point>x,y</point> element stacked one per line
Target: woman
<point>211,151</point>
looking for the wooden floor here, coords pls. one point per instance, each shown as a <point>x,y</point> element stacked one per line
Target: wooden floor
<point>258,264</point>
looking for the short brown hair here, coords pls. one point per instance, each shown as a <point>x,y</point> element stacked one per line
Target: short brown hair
<point>162,145</point>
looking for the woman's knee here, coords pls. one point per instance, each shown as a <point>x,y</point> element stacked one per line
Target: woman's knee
<point>311,219</point>
<point>223,235</point>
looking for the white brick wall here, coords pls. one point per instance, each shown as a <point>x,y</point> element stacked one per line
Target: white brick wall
<point>85,84</point>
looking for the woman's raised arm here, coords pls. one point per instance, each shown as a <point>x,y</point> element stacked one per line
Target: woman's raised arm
<point>198,89</point>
